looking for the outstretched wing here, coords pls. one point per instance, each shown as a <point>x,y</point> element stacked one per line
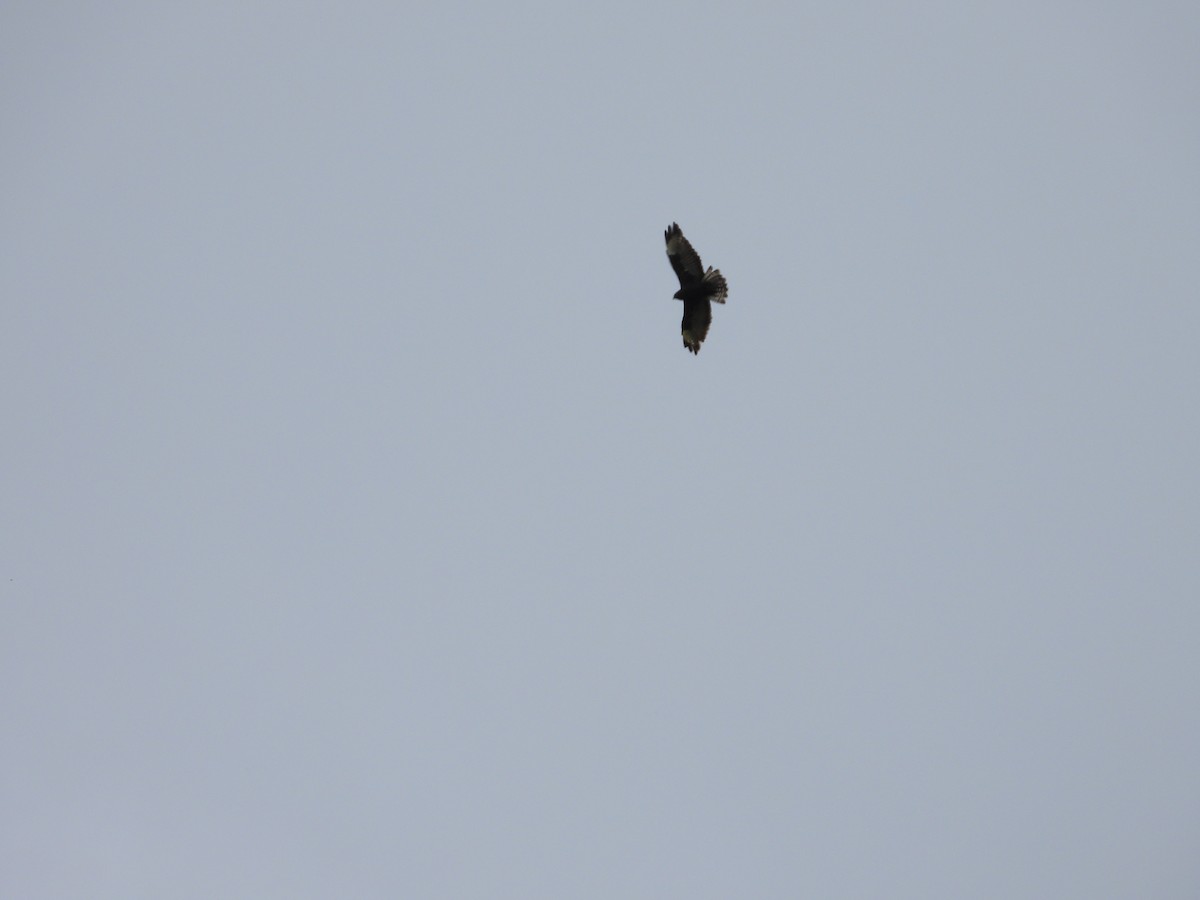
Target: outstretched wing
<point>697,316</point>
<point>684,260</point>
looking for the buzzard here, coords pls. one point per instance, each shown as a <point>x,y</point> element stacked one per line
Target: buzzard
<point>698,288</point>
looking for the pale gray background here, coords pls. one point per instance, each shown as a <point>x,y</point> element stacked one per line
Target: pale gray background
<point>368,532</point>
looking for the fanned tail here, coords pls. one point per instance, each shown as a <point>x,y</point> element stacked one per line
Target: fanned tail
<point>720,289</point>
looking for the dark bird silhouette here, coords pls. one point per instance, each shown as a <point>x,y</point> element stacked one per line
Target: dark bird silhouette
<point>698,288</point>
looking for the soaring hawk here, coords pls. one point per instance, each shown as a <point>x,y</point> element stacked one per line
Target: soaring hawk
<point>698,288</point>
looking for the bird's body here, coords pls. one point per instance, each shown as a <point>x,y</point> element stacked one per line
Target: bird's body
<point>698,288</point>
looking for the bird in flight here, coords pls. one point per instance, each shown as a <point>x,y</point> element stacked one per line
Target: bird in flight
<point>698,288</point>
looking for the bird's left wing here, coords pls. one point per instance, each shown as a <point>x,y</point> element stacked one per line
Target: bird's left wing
<point>684,260</point>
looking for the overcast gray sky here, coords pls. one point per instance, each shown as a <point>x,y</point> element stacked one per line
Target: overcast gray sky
<point>367,531</point>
